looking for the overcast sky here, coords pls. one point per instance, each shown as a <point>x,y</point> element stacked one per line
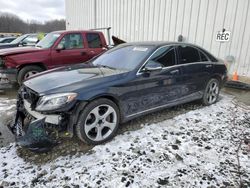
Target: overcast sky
<point>40,10</point>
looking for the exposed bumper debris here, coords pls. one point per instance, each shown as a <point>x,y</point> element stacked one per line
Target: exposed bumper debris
<point>36,138</point>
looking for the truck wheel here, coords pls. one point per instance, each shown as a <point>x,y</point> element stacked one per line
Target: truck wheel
<point>27,72</point>
<point>211,92</point>
<point>98,122</point>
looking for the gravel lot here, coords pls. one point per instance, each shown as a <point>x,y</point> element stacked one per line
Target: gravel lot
<point>178,147</point>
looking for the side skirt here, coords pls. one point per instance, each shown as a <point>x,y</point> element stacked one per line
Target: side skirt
<point>189,98</point>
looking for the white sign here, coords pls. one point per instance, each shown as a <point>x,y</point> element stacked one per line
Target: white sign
<point>140,49</point>
<point>223,36</point>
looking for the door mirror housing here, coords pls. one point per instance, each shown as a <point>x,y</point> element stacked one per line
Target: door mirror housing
<point>152,66</point>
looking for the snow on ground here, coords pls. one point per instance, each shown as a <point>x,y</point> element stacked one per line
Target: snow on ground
<point>7,110</point>
<point>7,107</point>
<point>6,104</point>
<point>196,149</point>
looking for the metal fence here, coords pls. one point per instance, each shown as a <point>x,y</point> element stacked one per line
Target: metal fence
<point>198,21</point>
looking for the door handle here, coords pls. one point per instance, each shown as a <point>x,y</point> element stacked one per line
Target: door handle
<point>83,53</point>
<point>174,71</point>
<point>208,66</point>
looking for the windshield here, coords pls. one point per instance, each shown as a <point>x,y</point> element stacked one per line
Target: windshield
<point>18,39</point>
<point>48,40</point>
<point>125,58</point>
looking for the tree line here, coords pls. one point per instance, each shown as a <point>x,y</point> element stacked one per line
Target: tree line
<point>10,23</point>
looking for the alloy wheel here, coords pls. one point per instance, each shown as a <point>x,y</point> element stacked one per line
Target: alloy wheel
<point>212,92</point>
<point>100,122</point>
<point>29,74</point>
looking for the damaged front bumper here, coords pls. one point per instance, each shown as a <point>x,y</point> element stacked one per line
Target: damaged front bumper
<point>54,124</point>
<point>52,119</point>
<point>33,130</point>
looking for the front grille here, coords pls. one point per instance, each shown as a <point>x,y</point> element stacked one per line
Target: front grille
<point>31,96</point>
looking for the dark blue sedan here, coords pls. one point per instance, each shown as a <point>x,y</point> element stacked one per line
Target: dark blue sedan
<point>125,82</point>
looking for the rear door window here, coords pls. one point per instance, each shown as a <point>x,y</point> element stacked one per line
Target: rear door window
<point>188,54</point>
<point>94,40</point>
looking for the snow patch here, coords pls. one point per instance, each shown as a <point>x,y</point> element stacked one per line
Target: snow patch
<point>196,149</point>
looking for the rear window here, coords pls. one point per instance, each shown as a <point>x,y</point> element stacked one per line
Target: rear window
<point>94,40</point>
<point>211,57</point>
<point>203,57</point>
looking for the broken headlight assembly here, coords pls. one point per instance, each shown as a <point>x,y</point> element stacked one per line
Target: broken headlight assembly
<point>54,101</point>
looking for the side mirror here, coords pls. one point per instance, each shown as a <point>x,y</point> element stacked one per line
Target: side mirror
<point>60,47</point>
<point>152,66</point>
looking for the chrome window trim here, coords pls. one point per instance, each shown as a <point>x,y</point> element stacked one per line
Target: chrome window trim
<point>177,65</point>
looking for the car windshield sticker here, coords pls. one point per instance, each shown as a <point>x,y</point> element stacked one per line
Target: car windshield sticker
<point>140,49</point>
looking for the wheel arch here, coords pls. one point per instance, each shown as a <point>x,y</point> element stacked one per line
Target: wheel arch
<point>107,96</point>
<point>40,64</point>
<point>217,77</point>
<point>111,97</point>
<point>84,103</point>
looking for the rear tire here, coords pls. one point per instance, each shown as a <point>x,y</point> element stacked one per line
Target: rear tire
<point>98,122</point>
<point>27,71</point>
<point>211,93</point>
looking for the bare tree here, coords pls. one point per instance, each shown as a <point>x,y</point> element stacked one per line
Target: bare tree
<point>11,23</point>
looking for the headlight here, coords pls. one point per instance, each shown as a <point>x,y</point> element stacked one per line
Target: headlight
<point>55,101</point>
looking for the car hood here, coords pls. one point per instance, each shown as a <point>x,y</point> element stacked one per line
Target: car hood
<point>68,79</point>
<point>18,50</point>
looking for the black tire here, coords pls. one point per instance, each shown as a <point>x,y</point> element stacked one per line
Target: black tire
<point>209,94</point>
<point>23,72</point>
<point>86,113</point>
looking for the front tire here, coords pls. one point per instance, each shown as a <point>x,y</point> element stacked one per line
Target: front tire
<point>211,93</point>
<point>27,72</point>
<point>98,122</point>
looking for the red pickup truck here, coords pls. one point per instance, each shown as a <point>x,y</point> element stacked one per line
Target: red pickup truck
<point>58,48</point>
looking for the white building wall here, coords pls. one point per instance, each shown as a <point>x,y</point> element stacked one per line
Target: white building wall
<point>146,20</point>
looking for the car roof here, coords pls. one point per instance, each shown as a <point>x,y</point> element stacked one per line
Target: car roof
<point>160,43</point>
<point>76,31</point>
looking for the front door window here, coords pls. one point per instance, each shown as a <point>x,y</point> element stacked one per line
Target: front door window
<point>164,56</point>
<point>71,41</point>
